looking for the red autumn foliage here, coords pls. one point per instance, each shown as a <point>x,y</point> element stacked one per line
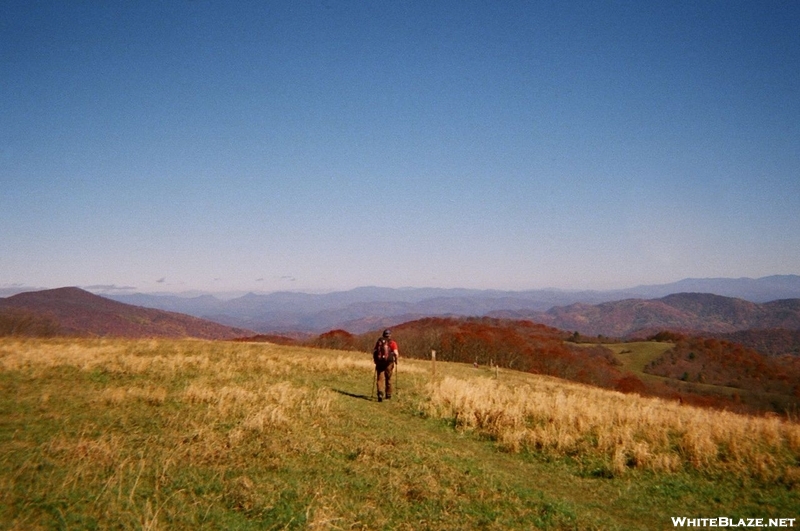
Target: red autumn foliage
<point>771,342</point>
<point>719,362</point>
<point>631,384</point>
<point>335,339</point>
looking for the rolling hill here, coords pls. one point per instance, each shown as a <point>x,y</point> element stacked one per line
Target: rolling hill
<point>73,311</point>
<point>686,312</point>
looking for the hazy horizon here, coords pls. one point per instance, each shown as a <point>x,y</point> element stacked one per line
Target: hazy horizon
<point>317,147</point>
<point>112,290</point>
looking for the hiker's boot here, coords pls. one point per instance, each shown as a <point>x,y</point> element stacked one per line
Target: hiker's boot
<point>380,397</point>
<point>388,397</point>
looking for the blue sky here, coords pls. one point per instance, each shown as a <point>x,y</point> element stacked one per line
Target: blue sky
<point>172,146</point>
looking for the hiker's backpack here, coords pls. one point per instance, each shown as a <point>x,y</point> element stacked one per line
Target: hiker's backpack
<point>382,353</point>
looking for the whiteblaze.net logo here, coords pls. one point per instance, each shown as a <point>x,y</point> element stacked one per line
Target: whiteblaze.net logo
<point>723,521</point>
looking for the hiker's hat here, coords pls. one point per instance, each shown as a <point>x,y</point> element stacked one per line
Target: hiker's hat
<point>387,333</point>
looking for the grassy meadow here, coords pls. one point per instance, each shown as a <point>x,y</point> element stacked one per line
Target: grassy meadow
<point>189,434</point>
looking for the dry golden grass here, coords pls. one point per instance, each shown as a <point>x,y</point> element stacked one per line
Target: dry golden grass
<point>260,401</point>
<point>552,416</point>
<point>235,395</point>
<point>625,431</point>
<point>167,358</point>
<point>117,395</point>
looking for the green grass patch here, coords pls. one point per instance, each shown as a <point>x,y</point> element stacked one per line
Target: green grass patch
<point>636,355</point>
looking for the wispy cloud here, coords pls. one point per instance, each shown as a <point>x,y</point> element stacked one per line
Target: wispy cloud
<point>108,287</point>
<point>7,290</point>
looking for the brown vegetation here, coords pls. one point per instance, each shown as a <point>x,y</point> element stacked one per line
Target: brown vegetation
<point>772,342</point>
<point>18,322</point>
<point>718,362</point>
<point>73,311</point>
<point>335,339</point>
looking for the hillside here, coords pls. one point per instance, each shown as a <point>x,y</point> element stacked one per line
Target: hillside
<point>72,311</point>
<point>174,434</point>
<point>772,342</point>
<point>689,312</point>
<point>722,363</point>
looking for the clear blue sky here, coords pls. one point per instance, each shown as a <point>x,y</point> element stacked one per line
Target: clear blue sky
<point>170,146</point>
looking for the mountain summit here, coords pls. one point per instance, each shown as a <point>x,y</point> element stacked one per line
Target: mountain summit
<point>78,312</point>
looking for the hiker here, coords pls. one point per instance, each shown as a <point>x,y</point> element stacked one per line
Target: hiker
<point>385,357</point>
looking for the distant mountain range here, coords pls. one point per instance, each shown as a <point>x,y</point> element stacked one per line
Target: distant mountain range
<point>368,308</point>
<point>763,289</point>
<point>590,313</point>
<point>683,312</point>
<point>73,311</point>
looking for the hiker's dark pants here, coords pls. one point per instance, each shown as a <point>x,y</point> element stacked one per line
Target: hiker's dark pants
<point>384,377</point>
